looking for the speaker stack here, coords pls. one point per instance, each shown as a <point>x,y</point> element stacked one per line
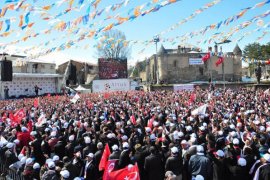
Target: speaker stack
<point>6,70</point>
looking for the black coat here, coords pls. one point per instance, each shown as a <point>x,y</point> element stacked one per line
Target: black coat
<point>238,172</point>
<point>174,164</point>
<point>139,157</point>
<point>88,149</point>
<point>154,167</point>
<point>10,158</point>
<point>264,173</point>
<point>37,152</point>
<point>98,156</point>
<point>46,148</point>
<point>59,149</point>
<point>220,170</point>
<point>91,171</point>
<point>73,172</point>
<point>79,166</point>
<point>124,159</point>
<point>69,149</point>
<point>115,155</point>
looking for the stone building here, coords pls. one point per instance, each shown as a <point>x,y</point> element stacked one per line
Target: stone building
<point>184,65</point>
<point>78,72</point>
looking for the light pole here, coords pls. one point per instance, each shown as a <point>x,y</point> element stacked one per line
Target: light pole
<point>156,40</point>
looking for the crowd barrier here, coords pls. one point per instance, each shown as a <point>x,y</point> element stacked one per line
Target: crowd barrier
<point>10,174</point>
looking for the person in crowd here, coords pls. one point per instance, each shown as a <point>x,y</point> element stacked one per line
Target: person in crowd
<point>153,166</point>
<point>175,163</point>
<point>199,164</point>
<point>204,134</point>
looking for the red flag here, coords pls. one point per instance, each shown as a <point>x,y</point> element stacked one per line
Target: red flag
<point>133,120</point>
<point>126,173</point>
<point>19,115</point>
<point>48,95</point>
<point>104,158</point>
<point>206,57</point>
<point>106,95</point>
<point>13,119</point>
<point>36,102</point>
<point>150,122</point>
<point>110,165</point>
<point>219,61</point>
<point>192,97</point>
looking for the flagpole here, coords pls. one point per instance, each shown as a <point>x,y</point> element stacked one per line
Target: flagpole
<point>211,68</point>
<point>223,69</point>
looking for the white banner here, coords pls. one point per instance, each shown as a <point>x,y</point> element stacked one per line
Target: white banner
<point>200,110</point>
<point>195,61</point>
<point>181,87</point>
<point>75,98</point>
<point>111,85</point>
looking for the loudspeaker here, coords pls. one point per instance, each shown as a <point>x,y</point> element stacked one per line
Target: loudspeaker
<point>73,73</point>
<point>6,70</point>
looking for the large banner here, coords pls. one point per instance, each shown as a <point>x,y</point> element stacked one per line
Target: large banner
<point>112,68</point>
<point>111,85</point>
<point>195,61</point>
<point>182,87</point>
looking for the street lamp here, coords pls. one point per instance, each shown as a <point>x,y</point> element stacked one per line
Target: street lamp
<point>156,40</point>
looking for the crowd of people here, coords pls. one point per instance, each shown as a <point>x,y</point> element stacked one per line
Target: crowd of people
<point>190,135</point>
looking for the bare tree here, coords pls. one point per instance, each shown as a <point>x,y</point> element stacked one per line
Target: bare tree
<point>113,44</point>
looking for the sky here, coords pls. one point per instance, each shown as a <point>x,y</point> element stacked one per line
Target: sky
<point>141,29</point>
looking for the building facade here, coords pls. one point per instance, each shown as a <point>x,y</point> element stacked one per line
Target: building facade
<point>77,72</point>
<point>184,65</point>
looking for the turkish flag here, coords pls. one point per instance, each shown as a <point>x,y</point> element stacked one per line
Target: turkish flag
<point>133,120</point>
<point>206,57</point>
<point>13,119</point>
<point>129,172</point>
<point>219,61</point>
<point>109,169</point>
<point>104,158</point>
<point>19,115</point>
<point>36,102</point>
